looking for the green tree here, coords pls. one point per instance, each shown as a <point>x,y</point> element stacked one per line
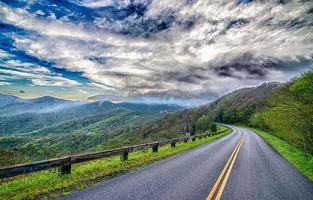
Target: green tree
<point>213,127</point>
<point>193,129</point>
<point>204,122</point>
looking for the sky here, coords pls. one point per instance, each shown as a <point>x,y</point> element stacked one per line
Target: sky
<point>187,52</point>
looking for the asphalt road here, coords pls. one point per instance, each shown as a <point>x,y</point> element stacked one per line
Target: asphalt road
<point>258,172</point>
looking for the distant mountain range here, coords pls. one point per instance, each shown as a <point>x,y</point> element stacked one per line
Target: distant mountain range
<point>28,115</point>
<point>12,105</point>
<point>45,127</point>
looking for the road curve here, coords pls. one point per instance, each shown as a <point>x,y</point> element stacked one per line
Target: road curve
<point>258,172</point>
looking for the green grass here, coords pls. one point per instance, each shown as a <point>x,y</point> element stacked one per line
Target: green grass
<point>300,159</point>
<point>47,184</point>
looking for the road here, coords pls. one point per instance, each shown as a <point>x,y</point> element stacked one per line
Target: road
<point>252,170</point>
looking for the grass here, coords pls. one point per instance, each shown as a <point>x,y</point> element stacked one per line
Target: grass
<point>47,184</point>
<point>302,160</point>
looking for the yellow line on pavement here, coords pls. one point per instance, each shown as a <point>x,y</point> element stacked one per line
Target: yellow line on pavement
<point>216,184</point>
<point>219,194</point>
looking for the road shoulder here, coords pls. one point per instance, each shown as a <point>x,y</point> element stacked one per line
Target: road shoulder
<point>300,159</point>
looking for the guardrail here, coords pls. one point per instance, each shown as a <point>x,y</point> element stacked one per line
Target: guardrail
<point>66,162</point>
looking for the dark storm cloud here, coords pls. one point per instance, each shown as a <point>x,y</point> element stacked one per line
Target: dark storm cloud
<point>98,60</point>
<point>146,27</point>
<point>246,66</point>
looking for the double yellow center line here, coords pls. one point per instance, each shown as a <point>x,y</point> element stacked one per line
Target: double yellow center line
<point>224,177</point>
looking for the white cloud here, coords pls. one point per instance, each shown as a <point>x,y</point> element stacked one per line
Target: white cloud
<point>3,54</point>
<point>39,79</point>
<point>95,4</point>
<point>4,83</point>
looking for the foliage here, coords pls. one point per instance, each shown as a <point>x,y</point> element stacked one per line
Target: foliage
<point>204,123</point>
<point>238,106</point>
<point>193,129</point>
<point>289,113</point>
<point>26,117</point>
<point>213,127</point>
<point>78,135</point>
<point>11,156</point>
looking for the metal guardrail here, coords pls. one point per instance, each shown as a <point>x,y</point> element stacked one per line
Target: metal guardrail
<point>66,162</point>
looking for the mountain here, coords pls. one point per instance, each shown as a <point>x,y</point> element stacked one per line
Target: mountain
<point>151,108</point>
<point>238,106</point>
<point>11,105</point>
<point>9,99</point>
<point>289,113</point>
<point>79,134</point>
<point>33,119</point>
<point>29,115</point>
<point>47,127</point>
<point>235,107</point>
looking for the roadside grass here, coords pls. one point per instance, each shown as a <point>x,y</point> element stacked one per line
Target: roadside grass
<point>300,159</point>
<point>47,184</point>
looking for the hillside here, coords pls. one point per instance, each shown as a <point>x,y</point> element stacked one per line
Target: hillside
<point>289,113</point>
<point>22,116</point>
<point>36,130</point>
<point>238,106</point>
<point>12,105</point>
<point>235,107</point>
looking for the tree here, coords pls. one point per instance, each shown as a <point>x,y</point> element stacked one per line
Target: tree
<point>193,129</point>
<point>213,127</point>
<point>204,122</point>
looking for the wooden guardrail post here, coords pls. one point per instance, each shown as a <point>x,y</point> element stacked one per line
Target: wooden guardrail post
<point>173,144</point>
<point>66,167</point>
<point>155,147</point>
<point>185,140</point>
<point>124,156</point>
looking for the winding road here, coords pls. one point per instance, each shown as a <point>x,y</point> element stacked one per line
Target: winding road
<point>238,166</point>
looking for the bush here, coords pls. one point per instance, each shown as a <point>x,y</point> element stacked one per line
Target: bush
<point>213,127</point>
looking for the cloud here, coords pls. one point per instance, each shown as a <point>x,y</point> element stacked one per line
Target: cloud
<point>39,79</point>
<point>4,83</point>
<point>191,49</point>
<point>95,4</point>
